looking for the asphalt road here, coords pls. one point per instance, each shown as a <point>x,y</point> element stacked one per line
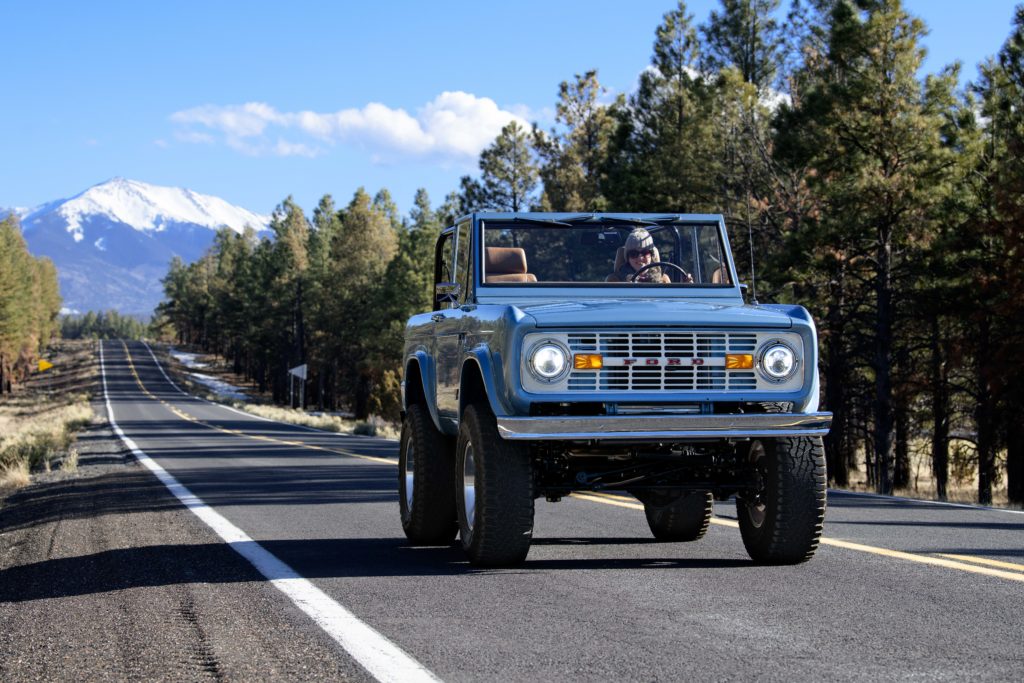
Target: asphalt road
<point>898,590</point>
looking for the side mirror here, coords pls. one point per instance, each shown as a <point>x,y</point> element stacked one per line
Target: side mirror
<point>743,291</point>
<point>447,292</point>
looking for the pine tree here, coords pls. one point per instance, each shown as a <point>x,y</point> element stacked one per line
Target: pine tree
<point>997,267</point>
<point>407,289</point>
<point>290,261</point>
<point>575,157</point>
<point>15,311</point>
<point>360,254</point>
<point>508,175</point>
<point>29,304</point>
<point>663,151</point>
<point>744,36</point>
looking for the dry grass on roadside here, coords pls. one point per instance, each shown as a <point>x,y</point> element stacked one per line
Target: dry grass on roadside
<point>38,441</point>
<point>14,476</point>
<point>375,426</point>
<point>70,461</point>
<point>963,477</point>
<point>39,420</point>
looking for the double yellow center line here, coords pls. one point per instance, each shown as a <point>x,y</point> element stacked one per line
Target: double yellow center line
<point>965,563</point>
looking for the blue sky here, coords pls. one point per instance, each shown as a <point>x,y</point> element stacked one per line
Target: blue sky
<point>253,101</point>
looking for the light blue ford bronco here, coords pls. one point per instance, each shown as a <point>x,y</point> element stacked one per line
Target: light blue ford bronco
<point>606,353</point>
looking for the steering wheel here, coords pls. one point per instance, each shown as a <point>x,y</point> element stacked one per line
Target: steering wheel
<point>684,276</point>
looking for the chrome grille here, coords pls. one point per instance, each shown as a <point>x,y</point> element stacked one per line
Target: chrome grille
<point>662,345</point>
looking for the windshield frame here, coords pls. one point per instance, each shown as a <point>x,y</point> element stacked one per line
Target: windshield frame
<point>604,290</point>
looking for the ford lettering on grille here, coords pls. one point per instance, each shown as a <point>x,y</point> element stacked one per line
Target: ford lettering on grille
<point>612,362</point>
<point>662,361</point>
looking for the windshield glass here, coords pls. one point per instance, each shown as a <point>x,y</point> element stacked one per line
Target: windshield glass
<point>613,255</point>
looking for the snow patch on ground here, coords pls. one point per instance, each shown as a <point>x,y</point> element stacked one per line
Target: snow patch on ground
<point>222,389</point>
<point>187,359</point>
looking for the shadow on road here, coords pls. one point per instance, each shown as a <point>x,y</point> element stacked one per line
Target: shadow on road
<point>163,565</point>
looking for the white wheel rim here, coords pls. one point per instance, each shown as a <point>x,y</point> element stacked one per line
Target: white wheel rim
<point>469,485</point>
<point>410,474</point>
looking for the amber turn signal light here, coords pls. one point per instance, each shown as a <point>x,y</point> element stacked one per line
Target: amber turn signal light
<point>739,361</point>
<point>587,361</point>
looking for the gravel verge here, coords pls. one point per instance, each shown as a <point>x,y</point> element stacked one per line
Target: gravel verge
<point>104,575</point>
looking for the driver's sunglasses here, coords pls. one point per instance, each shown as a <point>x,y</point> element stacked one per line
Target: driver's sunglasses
<point>633,253</point>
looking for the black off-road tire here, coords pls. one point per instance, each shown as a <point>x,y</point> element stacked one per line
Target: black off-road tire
<point>785,525</point>
<point>430,519</point>
<point>499,529</point>
<point>684,519</point>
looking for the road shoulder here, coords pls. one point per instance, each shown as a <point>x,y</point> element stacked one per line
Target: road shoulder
<point>104,574</point>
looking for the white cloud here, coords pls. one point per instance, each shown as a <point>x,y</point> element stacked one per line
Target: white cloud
<point>247,120</point>
<point>194,137</point>
<point>455,125</point>
<point>289,149</point>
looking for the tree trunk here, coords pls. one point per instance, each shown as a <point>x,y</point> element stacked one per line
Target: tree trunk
<point>940,411</point>
<point>985,417</point>
<point>1015,461</point>
<point>835,390</point>
<point>901,474</point>
<point>364,385</point>
<point>320,389</point>
<point>883,409</point>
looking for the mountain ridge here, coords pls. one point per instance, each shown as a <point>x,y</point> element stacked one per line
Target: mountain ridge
<point>113,242</point>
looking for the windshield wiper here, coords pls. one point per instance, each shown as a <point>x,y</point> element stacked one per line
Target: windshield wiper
<point>653,222</point>
<point>539,221</point>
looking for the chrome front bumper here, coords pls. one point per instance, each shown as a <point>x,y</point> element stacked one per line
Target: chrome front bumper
<point>664,427</point>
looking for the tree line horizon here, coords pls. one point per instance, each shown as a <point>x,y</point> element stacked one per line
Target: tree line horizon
<point>887,202</point>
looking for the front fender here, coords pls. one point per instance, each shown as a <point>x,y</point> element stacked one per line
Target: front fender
<point>480,356</point>
<point>427,377</point>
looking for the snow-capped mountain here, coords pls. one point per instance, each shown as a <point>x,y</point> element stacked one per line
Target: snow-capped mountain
<point>113,242</point>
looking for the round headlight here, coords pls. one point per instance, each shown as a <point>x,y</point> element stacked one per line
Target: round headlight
<point>548,361</point>
<point>778,362</point>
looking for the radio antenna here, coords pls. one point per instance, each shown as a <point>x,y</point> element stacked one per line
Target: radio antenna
<point>750,243</point>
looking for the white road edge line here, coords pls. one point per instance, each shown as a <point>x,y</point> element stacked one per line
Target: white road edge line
<point>383,659</point>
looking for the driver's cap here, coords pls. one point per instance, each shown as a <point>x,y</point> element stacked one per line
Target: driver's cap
<point>639,240</point>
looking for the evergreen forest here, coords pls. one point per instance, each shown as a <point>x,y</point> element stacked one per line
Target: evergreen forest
<point>102,325</point>
<point>888,201</point>
<point>29,305</point>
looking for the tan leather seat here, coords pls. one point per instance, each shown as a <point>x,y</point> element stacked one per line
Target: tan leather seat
<point>506,264</point>
<point>620,260</point>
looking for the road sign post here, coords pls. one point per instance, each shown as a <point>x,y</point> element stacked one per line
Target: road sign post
<point>299,372</point>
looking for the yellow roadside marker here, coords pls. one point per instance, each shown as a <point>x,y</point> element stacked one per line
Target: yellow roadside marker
<point>959,562</point>
<point>44,365</point>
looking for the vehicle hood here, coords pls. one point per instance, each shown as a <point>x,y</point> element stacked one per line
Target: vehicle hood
<point>653,313</point>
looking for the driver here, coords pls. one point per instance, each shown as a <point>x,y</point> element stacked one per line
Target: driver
<point>640,252</point>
